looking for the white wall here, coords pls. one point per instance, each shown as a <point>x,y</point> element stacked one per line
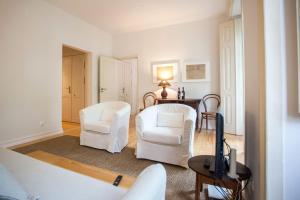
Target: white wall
<point>254,97</point>
<point>31,38</point>
<point>271,87</point>
<point>291,139</point>
<point>274,67</point>
<point>195,41</point>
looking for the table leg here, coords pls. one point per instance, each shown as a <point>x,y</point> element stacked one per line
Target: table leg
<point>236,190</point>
<point>198,187</point>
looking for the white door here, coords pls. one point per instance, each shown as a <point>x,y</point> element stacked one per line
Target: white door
<point>118,81</point>
<point>108,84</point>
<point>124,79</point>
<point>232,76</point>
<point>78,70</point>
<point>73,84</point>
<point>121,80</point>
<point>130,82</point>
<point>227,76</point>
<point>66,89</point>
<point>240,77</point>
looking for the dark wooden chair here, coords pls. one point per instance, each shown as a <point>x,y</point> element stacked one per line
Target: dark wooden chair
<point>149,99</point>
<point>208,115</point>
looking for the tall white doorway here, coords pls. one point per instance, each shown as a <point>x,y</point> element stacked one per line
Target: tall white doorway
<point>232,76</point>
<point>73,84</point>
<point>118,81</point>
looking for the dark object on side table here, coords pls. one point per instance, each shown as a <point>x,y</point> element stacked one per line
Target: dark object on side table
<point>183,93</point>
<point>178,93</point>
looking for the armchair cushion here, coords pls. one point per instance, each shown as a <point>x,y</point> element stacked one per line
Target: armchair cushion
<point>98,126</point>
<point>163,135</point>
<point>108,114</point>
<point>169,119</point>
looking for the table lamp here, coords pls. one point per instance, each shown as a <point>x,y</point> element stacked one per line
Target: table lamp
<point>164,84</point>
<point>164,75</point>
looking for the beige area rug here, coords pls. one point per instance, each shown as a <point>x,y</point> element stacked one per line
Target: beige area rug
<point>180,181</point>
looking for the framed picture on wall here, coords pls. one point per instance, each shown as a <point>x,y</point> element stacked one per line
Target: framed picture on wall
<point>165,70</point>
<point>193,71</point>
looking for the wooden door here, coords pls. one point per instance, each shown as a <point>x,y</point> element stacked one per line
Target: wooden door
<point>78,85</point>
<point>66,89</point>
<point>73,87</point>
<point>108,84</point>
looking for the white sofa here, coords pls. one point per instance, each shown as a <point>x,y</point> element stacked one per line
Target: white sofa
<point>23,176</point>
<point>165,133</point>
<point>105,126</point>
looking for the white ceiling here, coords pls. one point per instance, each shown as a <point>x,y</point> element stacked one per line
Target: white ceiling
<point>117,16</point>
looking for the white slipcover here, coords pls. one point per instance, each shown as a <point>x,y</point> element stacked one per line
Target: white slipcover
<point>49,182</point>
<point>105,126</point>
<point>149,185</point>
<point>172,145</point>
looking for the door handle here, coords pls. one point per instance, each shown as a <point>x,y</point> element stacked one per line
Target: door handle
<point>69,88</point>
<point>102,89</point>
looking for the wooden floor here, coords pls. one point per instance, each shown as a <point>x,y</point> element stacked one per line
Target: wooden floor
<point>95,172</point>
<point>204,143</point>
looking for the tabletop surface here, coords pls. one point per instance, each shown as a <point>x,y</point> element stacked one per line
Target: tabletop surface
<point>197,164</point>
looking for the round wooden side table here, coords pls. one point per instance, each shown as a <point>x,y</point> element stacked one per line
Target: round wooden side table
<point>203,175</point>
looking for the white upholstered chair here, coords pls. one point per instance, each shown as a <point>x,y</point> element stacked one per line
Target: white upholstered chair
<point>165,133</point>
<point>149,185</point>
<point>105,126</point>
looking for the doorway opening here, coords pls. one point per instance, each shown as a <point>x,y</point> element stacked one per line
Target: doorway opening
<point>118,81</point>
<point>74,86</point>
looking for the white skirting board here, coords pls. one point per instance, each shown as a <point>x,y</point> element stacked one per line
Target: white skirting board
<point>30,138</point>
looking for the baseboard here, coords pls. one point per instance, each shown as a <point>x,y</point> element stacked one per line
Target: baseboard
<point>31,138</point>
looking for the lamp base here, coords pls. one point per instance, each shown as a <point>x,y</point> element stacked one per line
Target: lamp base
<point>164,93</point>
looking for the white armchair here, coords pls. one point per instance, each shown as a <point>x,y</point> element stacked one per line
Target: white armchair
<point>165,133</point>
<point>149,185</point>
<point>105,126</point>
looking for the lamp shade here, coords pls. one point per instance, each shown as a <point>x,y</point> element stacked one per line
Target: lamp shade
<point>165,73</point>
<point>164,83</point>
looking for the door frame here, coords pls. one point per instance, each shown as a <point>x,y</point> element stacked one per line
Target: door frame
<point>87,75</point>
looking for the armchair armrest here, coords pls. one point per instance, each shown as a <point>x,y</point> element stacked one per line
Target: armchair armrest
<point>189,127</point>
<point>190,119</point>
<point>145,119</point>
<point>151,183</point>
<point>120,119</point>
<point>82,117</point>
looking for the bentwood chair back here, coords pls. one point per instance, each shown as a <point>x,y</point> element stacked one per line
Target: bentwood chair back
<point>208,114</point>
<point>149,99</point>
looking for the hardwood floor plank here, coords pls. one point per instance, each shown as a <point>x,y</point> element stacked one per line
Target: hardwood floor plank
<point>88,170</point>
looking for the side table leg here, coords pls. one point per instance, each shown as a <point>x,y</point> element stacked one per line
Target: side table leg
<point>236,190</point>
<point>198,187</point>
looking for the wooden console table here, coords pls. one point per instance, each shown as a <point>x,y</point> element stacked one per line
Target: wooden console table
<point>194,103</point>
